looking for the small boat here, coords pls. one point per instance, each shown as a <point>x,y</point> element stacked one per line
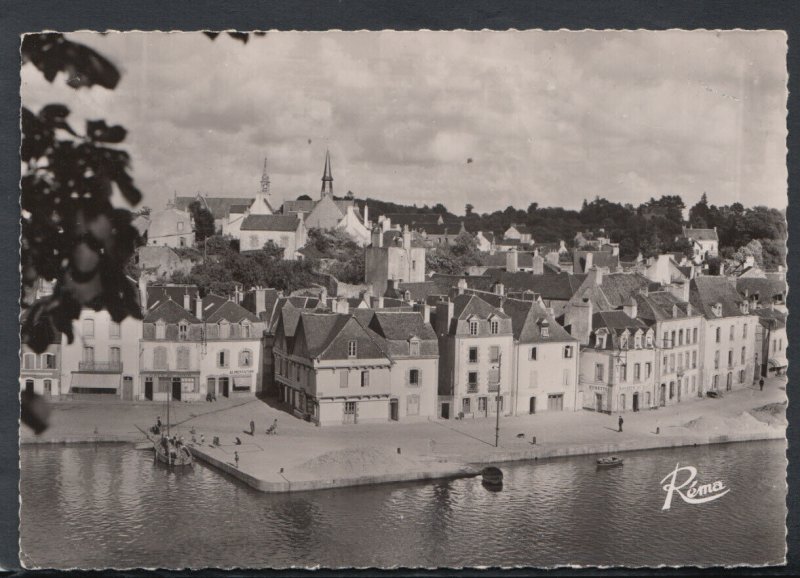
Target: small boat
<point>492,476</point>
<point>609,462</point>
<point>170,455</point>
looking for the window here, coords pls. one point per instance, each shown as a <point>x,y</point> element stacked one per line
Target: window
<point>648,370</point>
<point>245,358</point>
<point>694,335</point>
<point>719,334</point>
<point>224,329</point>
<point>413,377</point>
<point>473,327</point>
<point>352,348</point>
<point>413,265</point>
<point>465,405</point>
<point>160,358</point>
<point>183,331</point>
<point>545,330</point>
<point>685,360</point>
<point>350,408</point>
<point>114,330</point>
<point>623,342</point>
<point>716,360</point>
<point>494,354</point>
<point>680,337</point>
<point>637,340</point>
<point>672,362</point>
<point>183,358</point>
<point>672,342</point>
<point>245,329</point>
<point>671,389</point>
<point>180,226</point>
<point>567,379</point>
<point>88,327</point>
<point>744,330</point>
<point>637,372</point>
<point>413,347</point>
<point>161,329</point>
<point>182,242</point>
<point>666,339</point>
<point>482,405</point>
<point>622,401</point>
<point>254,241</point>
<point>48,386</point>
<point>623,372</point>
<point>715,381</point>
<point>114,355</point>
<point>473,355</point>
<point>29,361</point>
<point>694,359</point>
<point>365,378</point>
<point>732,330</point>
<point>730,358</point>
<point>88,354</point>
<point>472,381</point>
<point>222,358</point>
<point>48,361</point>
<point>598,372</point>
<point>494,327</point>
<point>344,377</point>
<point>744,354</point>
<point>741,376</point>
<point>567,351</point>
<point>665,366</point>
<point>649,340</point>
<point>533,354</point>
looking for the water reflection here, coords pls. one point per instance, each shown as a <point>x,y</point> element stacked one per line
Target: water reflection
<point>89,506</point>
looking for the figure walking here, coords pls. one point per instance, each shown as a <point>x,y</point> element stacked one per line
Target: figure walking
<point>236,457</point>
<point>252,428</point>
<point>620,424</point>
<point>761,384</point>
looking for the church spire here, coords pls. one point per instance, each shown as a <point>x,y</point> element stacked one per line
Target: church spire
<point>327,178</point>
<point>265,179</point>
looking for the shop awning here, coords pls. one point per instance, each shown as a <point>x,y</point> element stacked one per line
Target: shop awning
<point>95,380</point>
<point>777,362</point>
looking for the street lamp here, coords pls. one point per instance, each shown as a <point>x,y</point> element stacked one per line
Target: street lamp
<point>497,399</point>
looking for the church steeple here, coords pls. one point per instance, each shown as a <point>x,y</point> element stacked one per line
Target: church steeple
<point>265,179</point>
<point>327,178</point>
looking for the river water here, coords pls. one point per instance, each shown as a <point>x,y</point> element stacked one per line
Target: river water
<point>111,506</point>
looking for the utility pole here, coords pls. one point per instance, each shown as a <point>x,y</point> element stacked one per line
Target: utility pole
<point>497,399</point>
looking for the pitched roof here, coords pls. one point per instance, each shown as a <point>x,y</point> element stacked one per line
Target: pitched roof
<point>771,318</point>
<point>465,306</point>
<point>766,289</point>
<point>231,312</point>
<point>270,223</point>
<point>169,312</point>
<point>700,234</point>
<point>617,287</point>
<point>211,303</point>
<point>452,229</point>
<point>558,287</point>
<point>523,229</point>
<point>658,305</point>
<point>298,206</point>
<point>158,293</point>
<point>617,320</point>
<point>219,206</point>
<point>419,291</point>
<point>238,209</point>
<point>527,320</point>
<point>599,259</point>
<point>322,335</point>
<point>707,290</point>
<point>401,325</point>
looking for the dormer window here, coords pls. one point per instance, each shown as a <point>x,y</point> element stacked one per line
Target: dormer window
<point>473,327</point>
<point>674,311</point>
<point>623,341</point>
<point>637,340</point>
<point>649,340</point>
<point>494,327</point>
<point>352,348</point>
<point>161,329</point>
<point>246,329</point>
<point>545,328</point>
<point>407,295</point>
<point>745,307</point>
<point>717,309</point>
<point>183,331</point>
<point>224,329</point>
<point>413,346</point>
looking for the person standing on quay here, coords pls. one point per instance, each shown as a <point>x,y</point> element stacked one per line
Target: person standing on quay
<point>620,424</point>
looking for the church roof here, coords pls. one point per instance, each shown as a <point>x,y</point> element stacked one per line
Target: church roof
<point>219,206</point>
<point>270,223</point>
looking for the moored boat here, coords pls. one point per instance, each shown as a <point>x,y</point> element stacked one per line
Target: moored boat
<point>609,462</point>
<point>172,455</point>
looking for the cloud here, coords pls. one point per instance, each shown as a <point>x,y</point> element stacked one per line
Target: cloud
<point>551,117</point>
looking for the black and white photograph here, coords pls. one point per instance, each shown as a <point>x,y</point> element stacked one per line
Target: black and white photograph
<point>403,299</point>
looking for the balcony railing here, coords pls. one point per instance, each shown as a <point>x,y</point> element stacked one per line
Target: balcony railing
<point>494,387</point>
<point>472,388</point>
<point>100,366</point>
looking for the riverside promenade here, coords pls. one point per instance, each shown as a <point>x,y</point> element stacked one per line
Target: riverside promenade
<point>305,457</point>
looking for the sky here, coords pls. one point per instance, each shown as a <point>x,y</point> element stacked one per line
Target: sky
<point>487,118</point>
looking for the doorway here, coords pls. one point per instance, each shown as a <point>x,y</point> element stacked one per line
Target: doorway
<point>446,410</point>
<point>127,388</point>
<point>555,402</point>
<point>532,405</point>
<point>635,402</point>
<point>394,410</point>
<point>29,386</point>
<point>663,394</point>
<point>148,388</point>
<point>598,401</point>
<point>224,387</point>
<point>176,388</point>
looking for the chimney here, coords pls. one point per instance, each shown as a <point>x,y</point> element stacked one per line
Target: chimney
<point>377,237</point>
<point>341,305</point>
<point>631,308</point>
<point>462,286</point>
<point>406,238</point>
<point>578,317</point>
<point>425,310</point>
<point>444,314</point>
<point>366,215</point>
<point>512,261</point>
<point>377,302</point>
<point>499,289</point>
<point>187,303</point>
<point>589,262</point>
<point>596,276</point>
<point>615,250</point>
<point>143,292</point>
<point>688,310</point>
<point>562,247</point>
<point>552,258</point>
<point>198,306</point>
<point>261,300</point>
<point>538,264</point>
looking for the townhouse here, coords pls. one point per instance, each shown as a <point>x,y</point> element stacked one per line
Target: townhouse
<point>727,334</point>
<point>677,336</point>
<point>40,373</point>
<point>771,342</point>
<point>475,358</point>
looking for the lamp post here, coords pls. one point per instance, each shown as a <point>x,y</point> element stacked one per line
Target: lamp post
<point>497,399</point>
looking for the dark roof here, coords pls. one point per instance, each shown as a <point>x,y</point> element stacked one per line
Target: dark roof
<point>419,291</point>
<point>527,320</point>
<point>211,303</point>
<point>401,325</point>
<point>400,219</point>
<point>700,234</point>
<point>771,318</point>
<point>232,312</point>
<point>523,229</point>
<point>658,305</point>
<point>169,312</point>
<point>451,229</point>
<point>238,208</point>
<point>298,206</point>
<point>270,223</point>
<point>618,287</point>
<point>465,306</point>
<point>326,335</point>
<point>219,206</point>
<point>707,290</point>
<point>158,293</point>
<point>558,287</point>
<point>599,259</point>
<point>446,282</point>
<point>767,290</point>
